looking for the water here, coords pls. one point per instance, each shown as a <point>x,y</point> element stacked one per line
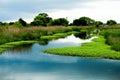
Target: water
<point>30,63</point>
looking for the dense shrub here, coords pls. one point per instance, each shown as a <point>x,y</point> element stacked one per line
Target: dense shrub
<point>111,22</point>
<point>76,28</point>
<point>113,38</point>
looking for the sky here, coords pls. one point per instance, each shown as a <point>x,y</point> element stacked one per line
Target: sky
<point>99,10</point>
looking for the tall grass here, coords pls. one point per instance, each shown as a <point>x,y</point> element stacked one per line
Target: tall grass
<point>14,35</point>
<point>10,33</point>
<point>113,38</point>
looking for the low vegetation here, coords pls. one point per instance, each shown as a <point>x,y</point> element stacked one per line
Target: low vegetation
<point>10,36</point>
<point>20,32</point>
<point>113,38</point>
<point>5,46</point>
<point>96,49</point>
<point>58,35</point>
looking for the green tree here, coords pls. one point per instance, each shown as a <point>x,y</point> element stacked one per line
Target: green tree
<point>17,24</point>
<point>41,19</point>
<point>59,22</point>
<point>98,23</point>
<point>83,21</point>
<point>3,24</point>
<point>22,22</point>
<point>76,22</point>
<point>111,22</point>
<point>11,23</point>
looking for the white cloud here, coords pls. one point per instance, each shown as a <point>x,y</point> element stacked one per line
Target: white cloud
<point>102,10</point>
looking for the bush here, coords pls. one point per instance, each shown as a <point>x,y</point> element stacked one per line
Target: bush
<point>112,38</point>
<point>111,22</point>
<point>59,22</point>
<point>76,29</point>
<point>116,47</point>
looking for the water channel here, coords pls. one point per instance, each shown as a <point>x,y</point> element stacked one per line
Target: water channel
<point>30,63</point>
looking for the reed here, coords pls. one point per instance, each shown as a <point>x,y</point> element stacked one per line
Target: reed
<point>10,33</point>
<point>113,38</point>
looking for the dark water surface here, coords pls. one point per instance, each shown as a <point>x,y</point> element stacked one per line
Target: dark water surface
<point>30,63</point>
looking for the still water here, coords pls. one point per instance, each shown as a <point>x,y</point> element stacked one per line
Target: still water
<point>30,63</point>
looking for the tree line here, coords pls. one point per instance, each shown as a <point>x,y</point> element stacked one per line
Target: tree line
<point>43,19</point>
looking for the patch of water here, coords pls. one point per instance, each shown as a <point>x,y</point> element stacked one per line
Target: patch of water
<point>32,64</point>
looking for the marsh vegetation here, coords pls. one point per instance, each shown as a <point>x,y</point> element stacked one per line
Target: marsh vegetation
<point>43,29</point>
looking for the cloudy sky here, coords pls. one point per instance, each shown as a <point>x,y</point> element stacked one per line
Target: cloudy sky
<point>103,10</point>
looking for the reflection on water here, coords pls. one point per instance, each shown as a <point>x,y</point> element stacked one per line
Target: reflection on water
<point>82,35</point>
<point>33,64</point>
<point>74,40</point>
<point>21,48</point>
<point>43,42</point>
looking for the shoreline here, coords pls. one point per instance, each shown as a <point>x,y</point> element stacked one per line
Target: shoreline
<point>5,46</point>
<point>95,49</point>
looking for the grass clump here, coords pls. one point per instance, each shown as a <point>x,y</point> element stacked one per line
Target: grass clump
<point>54,36</point>
<point>96,49</point>
<point>5,46</point>
<point>57,35</point>
<point>113,38</point>
<point>10,33</point>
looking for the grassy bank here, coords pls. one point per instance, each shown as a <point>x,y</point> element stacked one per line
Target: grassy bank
<point>58,35</point>
<point>42,41</point>
<point>13,36</point>
<point>10,34</point>
<point>113,38</point>
<point>5,46</point>
<point>96,49</point>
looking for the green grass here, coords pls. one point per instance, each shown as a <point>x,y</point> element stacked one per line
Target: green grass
<point>58,35</point>
<point>95,49</point>
<point>5,46</point>
<point>113,38</point>
<point>11,36</point>
<point>8,44</point>
<point>12,33</point>
<point>54,36</point>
